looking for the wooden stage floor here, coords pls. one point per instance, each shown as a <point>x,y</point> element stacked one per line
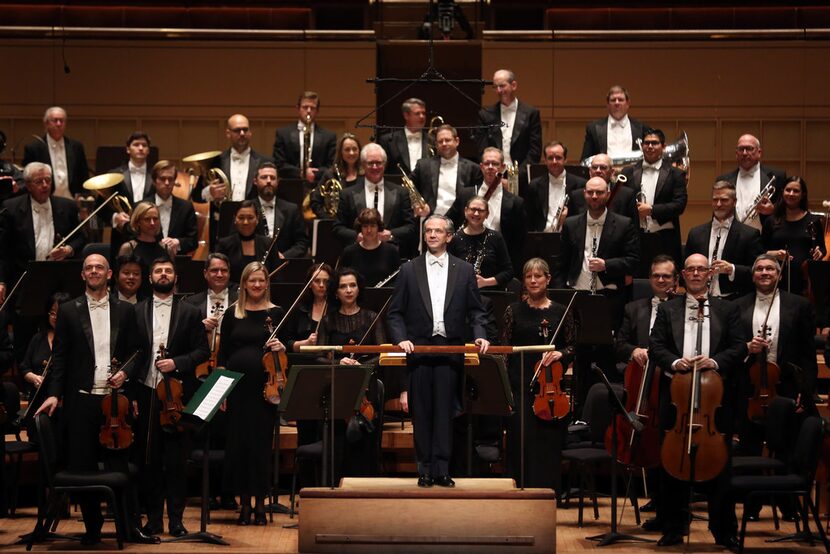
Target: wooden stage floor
<point>273,538</point>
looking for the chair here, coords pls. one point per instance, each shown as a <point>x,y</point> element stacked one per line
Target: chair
<point>797,484</point>
<point>111,484</point>
<point>16,449</point>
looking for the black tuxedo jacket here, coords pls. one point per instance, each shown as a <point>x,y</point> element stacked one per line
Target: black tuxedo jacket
<point>766,173</point>
<point>619,246</point>
<point>287,150</point>
<point>73,352</point>
<point>537,202</point>
<point>427,171</point>
<point>624,202</point>
<point>223,162</point>
<point>183,225</point>
<point>634,331</point>
<point>526,141</point>
<point>77,168</point>
<point>397,213</point>
<point>231,246</point>
<point>126,186</point>
<point>796,348</point>
<point>742,246</point>
<point>410,314</point>
<point>293,241</point>
<point>596,136</point>
<point>670,195</point>
<point>199,300</point>
<point>397,150</point>
<point>17,233</point>
<point>186,342</point>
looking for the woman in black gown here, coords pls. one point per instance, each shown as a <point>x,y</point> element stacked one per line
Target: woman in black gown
<point>145,222</point>
<point>347,161</point>
<point>484,248</point>
<point>534,321</point>
<point>306,317</point>
<point>374,259</point>
<point>245,245</point>
<point>788,232</point>
<point>40,347</point>
<point>248,454</point>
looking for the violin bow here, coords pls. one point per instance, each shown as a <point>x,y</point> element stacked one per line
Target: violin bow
<point>555,333</point>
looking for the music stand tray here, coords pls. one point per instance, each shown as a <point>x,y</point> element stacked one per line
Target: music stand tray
<point>594,313</point>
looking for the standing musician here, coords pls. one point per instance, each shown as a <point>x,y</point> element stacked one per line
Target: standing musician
<point>174,326</point>
<point>245,245</point>
<point>127,278</point>
<point>617,133</point>
<point>136,186</point>
<point>177,217</point>
<point>534,320</point>
<point>347,163</point>
<point>248,455</point>
<point>290,147</point>
<point>435,302</point>
<point>481,247</point>
<point>671,348</point>
<point>305,321</point>
<point>631,341</point>
<point>409,145</point>
<point>279,214</point>
<point>90,331</point>
<point>545,195</point>
<point>730,245</point>
<point>65,155</point>
<point>623,199</point>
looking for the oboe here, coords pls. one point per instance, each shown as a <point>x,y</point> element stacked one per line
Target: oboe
<point>479,259</point>
<point>594,273</point>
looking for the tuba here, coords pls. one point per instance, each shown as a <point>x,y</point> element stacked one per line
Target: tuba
<point>434,123</point>
<point>203,162</point>
<point>415,197</point>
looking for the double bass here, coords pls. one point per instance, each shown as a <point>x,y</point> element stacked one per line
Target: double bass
<point>550,401</point>
<point>694,450</point>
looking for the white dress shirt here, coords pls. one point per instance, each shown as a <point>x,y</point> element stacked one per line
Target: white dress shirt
<point>748,187</point>
<point>268,211</point>
<point>415,146</point>
<point>138,179</point>
<point>44,228</point>
<point>369,189</point>
<point>493,220</point>
<point>162,310</point>
<point>165,209</point>
<point>437,271</point>
<point>655,301</point>
<point>60,167</point>
<point>556,195</point>
<point>240,162</point>
<point>762,302</point>
<point>300,128</point>
<point>508,115</point>
<point>593,230</point>
<point>619,136</point>
<point>99,318</point>
<point>690,329</point>
<point>648,185</point>
<point>131,299</point>
<point>447,179</point>
<point>213,298</point>
<point>719,229</point>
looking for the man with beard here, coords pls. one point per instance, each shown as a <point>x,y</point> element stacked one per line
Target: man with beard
<point>172,345</point>
<point>280,215</point>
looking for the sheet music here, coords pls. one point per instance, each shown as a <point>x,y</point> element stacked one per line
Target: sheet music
<point>213,397</point>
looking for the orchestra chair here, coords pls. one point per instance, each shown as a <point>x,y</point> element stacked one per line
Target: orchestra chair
<point>641,288</point>
<point>797,484</point>
<point>15,449</point>
<point>102,248</point>
<point>111,484</point>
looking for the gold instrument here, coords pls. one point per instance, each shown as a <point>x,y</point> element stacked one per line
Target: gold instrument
<point>766,193</point>
<point>557,228</point>
<point>434,123</point>
<point>676,153</point>
<point>330,191</point>
<point>203,162</point>
<point>103,185</point>
<point>415,197</point>
<point>512,176</point>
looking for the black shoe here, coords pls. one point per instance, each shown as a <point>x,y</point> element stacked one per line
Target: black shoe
<point>444,481</point>
<point>151,529</point>
<point>244,516</point>
<point>670,539</point>
<point>260,519</point>
<point>648,506</point>
<point>91,538</point>
<point>728,541</point>
<point>425,481</point>
<point>177,530</point>
<point>138,536</point>
<point>652,524</point>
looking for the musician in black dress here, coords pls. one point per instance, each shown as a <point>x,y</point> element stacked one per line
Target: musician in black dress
<point>534,320</point>
<point>245,245</point>
<point>794,234</point>
<point>252,419</point>
<point>39,350</point>
<point>305,319</point>
<point>373,258</point>
<point>347,162</point>
<point>146,246</point>
<point>481,247</point>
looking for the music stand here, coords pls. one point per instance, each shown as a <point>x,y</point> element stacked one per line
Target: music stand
<point>325,247</point>
<point>651,244</point>
<point>44,278</point>
<point>579,170</point>
<point>283,294</point>
<point>534,171</point>
<point>593,309</point>
<point>543,245</point>
<point>190,275</point>
<point>197,416</point>
<point>320,393</point>
<point>486,392</point>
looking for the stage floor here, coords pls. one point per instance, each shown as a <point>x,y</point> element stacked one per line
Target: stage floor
<point>274,538</point>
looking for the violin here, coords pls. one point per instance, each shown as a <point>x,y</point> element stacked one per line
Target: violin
<point>763,374</point>
<point>169,391</point>
<point>550,401</point>
<point>275,364</point>
<point>694,450</point>
<point>204,369</point>
<point>367,409</point>
<point>115,433</point>
<point>638,449</point>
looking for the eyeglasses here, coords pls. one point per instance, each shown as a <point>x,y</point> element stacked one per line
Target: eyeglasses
<point>373,163</point>
<point>651,143</point>
<point>240,130</point>
<point>491,164</point>
<point>696,269</point>
<point>477,210</point>
<point>746,149</point>
<point>42,181</point>
<point>595,192</point>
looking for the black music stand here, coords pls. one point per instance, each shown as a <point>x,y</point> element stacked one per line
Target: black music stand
<point>190,275</point>
<point>594,313</point>
<point>320,393</point>
<point>543,245</point>
<point>651,244</point>
<point>578,170</point>
<point>486,392</point>
<point>325,246</point>
<point>44,278</point>
<point>283,294</point>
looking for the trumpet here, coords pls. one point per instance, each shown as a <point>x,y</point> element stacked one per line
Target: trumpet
<point>202,163</point>
<point>556,227</point>
<point>415,197</point>
<point>766,193</point>
<point>434,123</point>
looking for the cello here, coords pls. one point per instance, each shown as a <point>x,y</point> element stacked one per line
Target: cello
<point>694,450</point>
<point>763,374</point>
<point>550,401</point>
<point>638,449</point>
<point>115,432</point>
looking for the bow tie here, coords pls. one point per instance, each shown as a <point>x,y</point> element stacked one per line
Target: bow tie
<point>655,301</point>
<point>437,261</point>
<point>136,170</point>
<point>158,302</point>
<point>95,304</point>
<point>720,227</point>
<point>166,203</point>
<point>214,298</point>
<point>42,208</point>
<point>618,124</point>
<point>652,167</point>
<point>269,206</point>
<point>747,174</point>
<point>596,223</point>
<point>557,180</point>
<point>763,297</point>
<point>237,158</point>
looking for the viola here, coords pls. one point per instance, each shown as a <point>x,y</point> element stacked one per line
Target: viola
<point>638,449</point>
<point>170,392</point>
<point>694,450</point>
<point>550,401</point>
<point>205,368</point>
<point>115,433</point>
<point>275,364</point>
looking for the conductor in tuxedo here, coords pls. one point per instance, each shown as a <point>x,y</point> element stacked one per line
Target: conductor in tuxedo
<point>289,145</point>
<point>66,156</point>
<point>436,302</point>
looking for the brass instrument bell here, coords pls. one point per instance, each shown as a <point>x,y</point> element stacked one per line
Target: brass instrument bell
<point>203,162</point>
<point>102,184</point>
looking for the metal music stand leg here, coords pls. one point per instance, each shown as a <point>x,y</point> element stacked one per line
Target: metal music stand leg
<point>522,422</point>
<point>274,506</point>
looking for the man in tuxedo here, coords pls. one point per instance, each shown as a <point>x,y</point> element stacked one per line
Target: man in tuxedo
<point>370,191</point>
<point>136,186</point>
<point>277,213</point>
<point>521,139</point>
<point>623,199</point>
<point>661,200</point>
<point>435,302</point>
<point>730,245</point>
<point>289,145</point>
<point>545,195</point>
<point>673,349</point>
<point>176,326</point>
<point>749,178</point>
<point>616,134</point>
<point>179,228</point>
<point>441,180</point>
<point>90,331</point>
<point>66,156</point>
<point>409,145</point>
<point>127,278</point>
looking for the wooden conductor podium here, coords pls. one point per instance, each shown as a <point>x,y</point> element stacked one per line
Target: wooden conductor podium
<point>394,515</point>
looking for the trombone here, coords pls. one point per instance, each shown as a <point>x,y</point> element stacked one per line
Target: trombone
<point>434,124</point>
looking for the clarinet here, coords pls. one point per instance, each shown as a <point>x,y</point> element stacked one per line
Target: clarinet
<point>479,259</point>
<point>594,273</point>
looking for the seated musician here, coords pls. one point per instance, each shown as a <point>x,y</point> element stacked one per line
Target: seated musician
<point>245,245</point>
<point>172,345</point>
<point>374,259</point>
<point>545,197</point>
<point>278,214</point>
<point>39,350</point>
<point>673,347</point>
<point>534,320</point>
<point>347,162</point>
<point>147,244</point>
<point>177,218</point>
<point>127,278</point>
<point>481,247</point>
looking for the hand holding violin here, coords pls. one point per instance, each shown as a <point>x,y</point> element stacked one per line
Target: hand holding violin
<point>757,344</point>
<point>117,380</point>
<point>551,357</point>
<point>165,365</point>
<point>275,345</point>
